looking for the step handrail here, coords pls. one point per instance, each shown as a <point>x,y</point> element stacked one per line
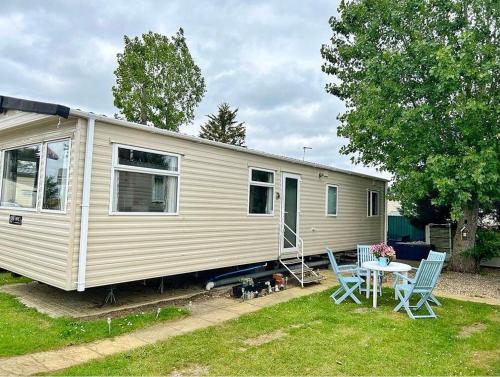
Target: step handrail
<point>300,248</point>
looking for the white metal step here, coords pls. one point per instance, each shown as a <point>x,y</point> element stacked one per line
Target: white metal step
<point>298,270</point>
<point>313,279</point>
<point>291,261</point>
<point>303,276</point>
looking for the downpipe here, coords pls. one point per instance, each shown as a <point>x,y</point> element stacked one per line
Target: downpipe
<point>84,218</point>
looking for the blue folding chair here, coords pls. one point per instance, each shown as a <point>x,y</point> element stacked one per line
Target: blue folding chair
<point>433,256</point>
<point>422,286</point>
<point>345,281</point>
<point>364,255</point>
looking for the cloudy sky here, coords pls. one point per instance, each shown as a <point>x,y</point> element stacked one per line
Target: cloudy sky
<point>261,56</point>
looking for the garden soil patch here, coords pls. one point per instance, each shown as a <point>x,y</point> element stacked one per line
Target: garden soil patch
<point>193,370</point>
<point>265,338</point>
<point>471,329</point>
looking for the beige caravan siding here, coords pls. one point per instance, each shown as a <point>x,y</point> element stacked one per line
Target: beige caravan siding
<point>39,248</point>
<point>14,118</point>
<point>213,228</point>
<point>351,226</point>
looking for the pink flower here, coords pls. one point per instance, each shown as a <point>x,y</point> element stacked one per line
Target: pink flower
<point>382,250</point>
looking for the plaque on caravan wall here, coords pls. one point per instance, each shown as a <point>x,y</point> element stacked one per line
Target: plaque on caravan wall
<point>15,220</point>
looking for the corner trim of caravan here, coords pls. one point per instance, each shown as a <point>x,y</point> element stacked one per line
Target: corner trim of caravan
<point>84,221</point>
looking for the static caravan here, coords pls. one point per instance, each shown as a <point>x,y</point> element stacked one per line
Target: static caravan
<point>88,201</point>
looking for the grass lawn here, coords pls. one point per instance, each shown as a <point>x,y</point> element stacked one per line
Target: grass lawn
<point>6,278</point>
<point>24,330</point>
<point>312,336</point>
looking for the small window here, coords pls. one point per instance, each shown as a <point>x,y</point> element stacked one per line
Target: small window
<point>331,200</point>
<point>20,177</point>
<point>262,176</point>
<point>145,181</point>
<point>373,203</point>
<point>261,192</point>
<point>147,160</point>
<point>55,185</point>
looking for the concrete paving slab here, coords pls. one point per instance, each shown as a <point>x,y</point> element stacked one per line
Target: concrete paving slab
<point>53,360</point>
<point>58,303</point>
<point>119,344</point>
<point>219,302</point>
<point>22,366</point>
<point>190,324</point>
<point>242,308</point>
<point>218,316</point>
<point>273,299</point>
<point>155,333</point>
<point>206,306</point>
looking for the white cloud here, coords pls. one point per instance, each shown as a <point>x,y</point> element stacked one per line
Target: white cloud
<point>260,56</point>
<point>34,77</point>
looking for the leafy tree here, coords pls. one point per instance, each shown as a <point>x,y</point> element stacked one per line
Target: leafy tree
<point>157,81</point>
<point>487,246</point>
<point>424,212</point>
<point>420,82</point>
<point>223,127</point>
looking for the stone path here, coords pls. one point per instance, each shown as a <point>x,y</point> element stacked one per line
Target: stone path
<point>203,314</point>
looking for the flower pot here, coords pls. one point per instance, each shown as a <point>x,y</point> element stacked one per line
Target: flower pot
<point>383,261</point>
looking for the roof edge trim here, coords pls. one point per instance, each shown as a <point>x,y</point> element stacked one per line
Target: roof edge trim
<point>11,103</point>
<point>142,127</point>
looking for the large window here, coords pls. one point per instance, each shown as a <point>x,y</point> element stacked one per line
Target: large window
<point>145,181</point>
<point>21,167</point>
<point>331,200</point>
<point>373,203</point>
<point>55,182</point>
<point>27,170</point>
<point>261,192</point>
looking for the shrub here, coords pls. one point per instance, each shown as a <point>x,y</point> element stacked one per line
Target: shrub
<point>487,245</point>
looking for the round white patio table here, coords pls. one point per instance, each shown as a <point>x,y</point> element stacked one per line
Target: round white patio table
<point>372,268</point>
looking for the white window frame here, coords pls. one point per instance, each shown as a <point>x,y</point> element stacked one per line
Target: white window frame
<point>41,176</point>
<point>328,185</point>
<point>262,184</point>
<point>369,203</point>
<point>115,166</point>
<point>43,165</point>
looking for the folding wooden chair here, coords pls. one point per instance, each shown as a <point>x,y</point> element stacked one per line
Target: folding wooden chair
<point>424,283</point>
<point>364,255</point>
<point>345,281</point>
<point>434,256</point>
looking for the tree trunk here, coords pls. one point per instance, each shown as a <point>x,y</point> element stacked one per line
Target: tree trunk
<point>458,261</point>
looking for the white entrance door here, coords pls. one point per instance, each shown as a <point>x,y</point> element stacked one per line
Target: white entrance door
<point>290,209</point>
